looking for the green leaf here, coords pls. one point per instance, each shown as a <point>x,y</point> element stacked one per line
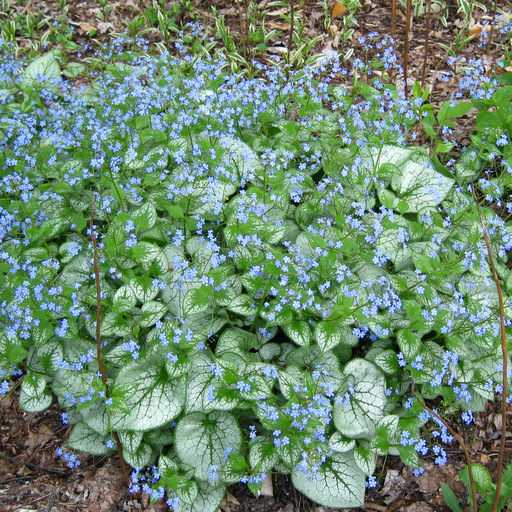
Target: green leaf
<point>176,369</point>
<point>358,419</point>
<point>443,146</point>
<point>409,456</point>
<point>144,217</point>
<point>289,454</point>
<point>234,468</point>
<point>200,379</point>
<point>289,377</point>
<point>186,491</point>
<point>299,332</point>
<point>208,499</point>
<point>482,478</point>
<point>235,338</point>
<point>447,111</point>
<point>502,96</point>
<point>341,444</point>
<point>111,325</point>
<point>421,185</point>
<point>16,353</point>
<point>151,257</point>
<point>42,72</point>
<point>200,439</point>
<point>365,458</point>
<point>255,488</point>
<point>262,455</point>
<point>34,395</point>
<point>151,399</point>
<point>73,69</point>
<point>389,427</point>
<point>152,311</point>
<point>387,361</point>
<point>174,211</point>
<point>142,457</point>
<point>428,124</point>
<point>387,198</point>
<point>488,120</point>
<point>49,354</point>
<point>327,335</point>
<point>83,438</point>
<point>312,357</point>
<point>417,183</point>
<point>197,300</point>
<point>142,288</point>
<point>130,440</point>
<point>241,305</point>
<point>450,498</point>
<point>409,344</point>
<point>339,482</point>
<point>77,270</point>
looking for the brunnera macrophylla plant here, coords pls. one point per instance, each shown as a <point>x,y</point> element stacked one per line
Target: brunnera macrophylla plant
<point>273,263</point>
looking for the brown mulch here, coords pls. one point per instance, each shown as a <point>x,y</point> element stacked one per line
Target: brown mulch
<point>33,478</point>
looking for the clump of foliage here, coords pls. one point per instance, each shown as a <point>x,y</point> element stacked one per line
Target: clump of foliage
<point>235,276</point>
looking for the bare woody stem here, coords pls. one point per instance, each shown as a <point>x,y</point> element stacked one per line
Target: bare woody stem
<point>393,18</point>
<point>98,335</point>
<point>243,28</point>
<point>504,351</point>
<point>427,36</point>
<point>290,35</point>
<point>457,437</point>
<point>406,40</point>
<point>489,41</point>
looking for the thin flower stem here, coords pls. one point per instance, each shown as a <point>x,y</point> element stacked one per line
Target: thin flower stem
<point>98,336</point>
<point>504,351</point>
<point>457,437</point>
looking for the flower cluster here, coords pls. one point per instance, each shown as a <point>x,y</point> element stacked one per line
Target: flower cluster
<point>273,260</point>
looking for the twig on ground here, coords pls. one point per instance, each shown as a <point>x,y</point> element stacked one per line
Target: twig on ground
<point>34,466</point>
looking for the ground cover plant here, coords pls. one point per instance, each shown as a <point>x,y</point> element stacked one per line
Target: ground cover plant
<point>229,276</point>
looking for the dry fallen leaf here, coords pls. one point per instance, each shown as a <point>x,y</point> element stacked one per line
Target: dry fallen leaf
<point>229,497</point>
<point>87,27</point>
<point>105,27</point>
<point>338,10</point>
<point>278,12</point>
<point>40,438</point>
<point>266,488</point>
<point>475,31</point>
<point>278,26</point>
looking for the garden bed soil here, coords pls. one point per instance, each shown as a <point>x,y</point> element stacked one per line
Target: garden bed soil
<point>33,478</point>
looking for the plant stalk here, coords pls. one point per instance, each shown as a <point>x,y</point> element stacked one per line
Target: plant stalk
<point>504,351</point>
<point>458,439</point>
<point>243,29</point>
<point>406,40</point>
<point>393,18</point>
<point>98,336</point>
<point>290,35</point>
<point>489,41</point>
<point>427,34</point>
